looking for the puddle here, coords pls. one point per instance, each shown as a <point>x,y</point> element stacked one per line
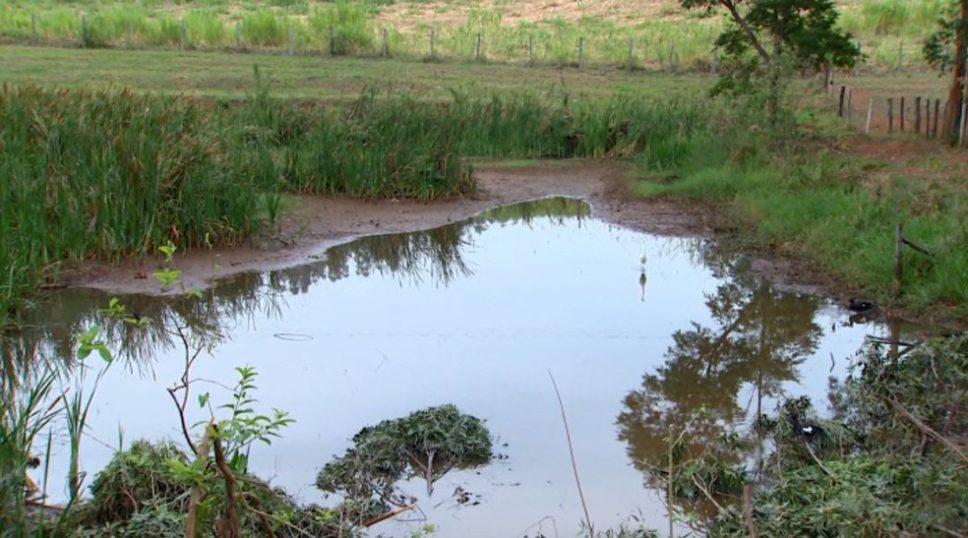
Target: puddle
<point>639,331</point>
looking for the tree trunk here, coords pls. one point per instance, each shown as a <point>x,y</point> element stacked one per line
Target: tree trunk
<point>952,114</point>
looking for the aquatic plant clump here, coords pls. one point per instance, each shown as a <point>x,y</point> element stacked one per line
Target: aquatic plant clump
<point>427,443</point>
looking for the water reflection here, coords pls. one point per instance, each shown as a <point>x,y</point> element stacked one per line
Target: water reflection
<point>758,337</point>
<point>429,257</point>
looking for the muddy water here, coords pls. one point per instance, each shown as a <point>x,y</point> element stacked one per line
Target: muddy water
<point>638,331</point>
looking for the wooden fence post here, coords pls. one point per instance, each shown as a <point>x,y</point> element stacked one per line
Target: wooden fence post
<point>385,51</point>
<point>937,114</point>
<point>840,106</point>
<point>477,50</point>
<point>581,52</point>
<point>83,30</point>
<point>850,103</point>
<point>917,114</point>
<point>870,115</point>
<point>890,114</point>
<point>902,114</point>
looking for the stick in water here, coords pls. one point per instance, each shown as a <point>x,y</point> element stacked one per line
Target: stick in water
<point>571,451</point>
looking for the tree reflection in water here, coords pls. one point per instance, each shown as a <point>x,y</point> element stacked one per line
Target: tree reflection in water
<point>435,256</point>
<point>758,337</point>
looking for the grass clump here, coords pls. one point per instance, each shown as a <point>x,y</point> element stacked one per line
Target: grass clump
<point>427,443</point>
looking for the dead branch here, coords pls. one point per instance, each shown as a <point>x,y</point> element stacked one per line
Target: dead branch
<point>708,495</point>
<point>817,460</point>
<point>748,511</point>
<point>388,515</point>
<point>948,532</point>
<point>927,429</point>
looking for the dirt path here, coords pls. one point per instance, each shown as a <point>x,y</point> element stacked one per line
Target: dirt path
<point>316,223</point>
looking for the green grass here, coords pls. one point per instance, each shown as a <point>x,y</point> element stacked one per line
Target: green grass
<point>230,75</point>
<point>821,207</point>
<point>665,42</point>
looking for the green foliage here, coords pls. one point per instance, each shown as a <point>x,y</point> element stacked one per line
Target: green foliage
<point>138,478</point>
<point>426,443</point>
<point>245,426</point>
<point>891,478</point>
<point>939,46</point>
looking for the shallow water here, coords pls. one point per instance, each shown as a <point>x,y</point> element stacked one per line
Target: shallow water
<point>639,332</point>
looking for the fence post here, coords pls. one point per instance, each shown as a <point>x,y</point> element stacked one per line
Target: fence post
<point>961,126</point>
<point>937,113</point>
<point>890,114</point>
<point>83,30</point>
<point>917,114</point>
<point>840,106</point>
<point>870,115</point>
<point>531,49</point>
<point>238,35</point>
<point>33,28</point>
<point>386,46</point>
<point>673,59</point>
<point>850,104</point>
<point>292,39</point>
<point>183,35</point>
<point>927,118</point>
<point>828,76</point>
<point>631,60</point>
<point>902,114</point>
<point>477,50</point>
<point>581,52</point>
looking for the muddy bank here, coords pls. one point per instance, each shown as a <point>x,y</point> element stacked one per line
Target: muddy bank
<point>313,224</point>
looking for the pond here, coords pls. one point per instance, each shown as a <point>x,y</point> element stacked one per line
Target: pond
<point>638,331</point>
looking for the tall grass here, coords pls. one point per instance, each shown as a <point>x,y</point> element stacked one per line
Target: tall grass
<point>110,173</point>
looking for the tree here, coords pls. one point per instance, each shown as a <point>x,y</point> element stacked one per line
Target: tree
<point>952,35</point>
<point>766,35</point>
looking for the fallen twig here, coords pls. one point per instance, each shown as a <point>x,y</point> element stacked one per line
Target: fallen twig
<point>748,511</point>
<point>927,429</point>
<point>949,532</point>
<point>387,515</point>
<point>571,451</point>
<point>820,463</point>
<point>707,494</point>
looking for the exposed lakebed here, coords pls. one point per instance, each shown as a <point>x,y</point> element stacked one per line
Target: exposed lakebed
<point>638,330</point>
